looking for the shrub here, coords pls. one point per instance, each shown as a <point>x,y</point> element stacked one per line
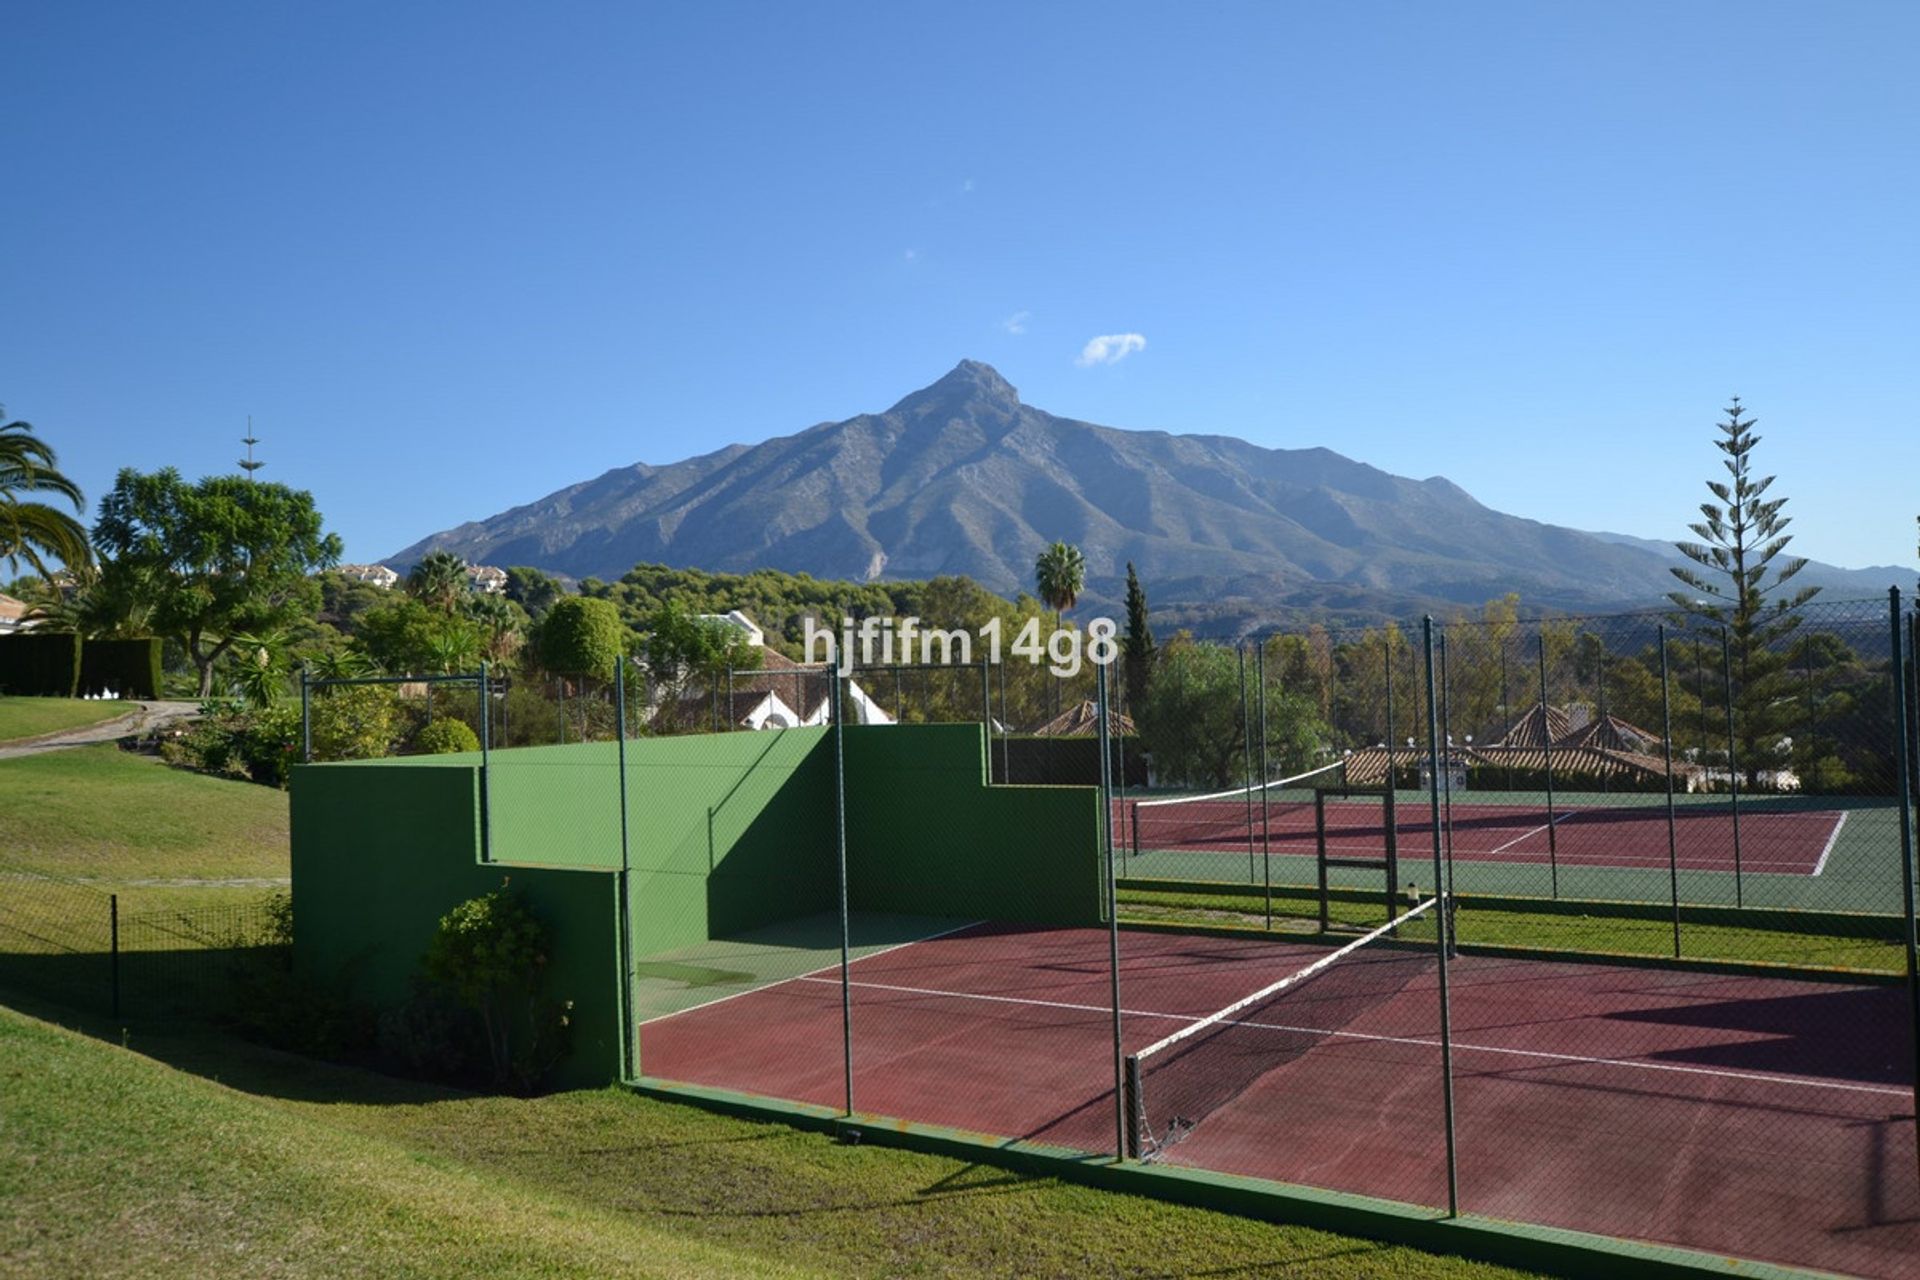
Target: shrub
<point>445,737</point>
<point>260,744</point>
<point>490,954</point>
<point>431,1035</point>
<point>357,722</point>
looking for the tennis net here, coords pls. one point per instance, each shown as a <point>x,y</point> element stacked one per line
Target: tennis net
<point>1176,1082</point>
<point>1227,821</point>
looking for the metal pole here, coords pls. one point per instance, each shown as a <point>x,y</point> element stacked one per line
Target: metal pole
<point>1733,766</point>
<point>1392,815</point>
<point>1905,786</point>
<point>840,842</point>
<point>1546,746</point>
<point>1006,765</point>
<point>114,948</point>
<point>986,712</point>
<point>1246,755</point>
<point>629,1031</point>
<point>1506,709</point>
<point>306,718</point>
<point>1266,794</point>
<point>1443,932</point>
<point>1600,683</point>
<point>486,766</point>
<point>1113,922</point>
<point>1673,844</point>
<point>1446,736</point>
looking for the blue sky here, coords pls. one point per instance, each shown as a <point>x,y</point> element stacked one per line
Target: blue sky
<point>452,257</point>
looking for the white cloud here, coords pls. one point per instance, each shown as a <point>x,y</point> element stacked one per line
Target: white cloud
<point>1110,348</point>
<point>1016,324</point>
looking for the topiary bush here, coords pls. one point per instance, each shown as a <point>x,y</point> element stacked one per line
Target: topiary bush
<point>582,635</point>
<point>445,737</point>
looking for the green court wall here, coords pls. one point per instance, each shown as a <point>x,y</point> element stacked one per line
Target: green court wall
<point>381,852</point>
<point>926,834</point>
<point>728,832</point>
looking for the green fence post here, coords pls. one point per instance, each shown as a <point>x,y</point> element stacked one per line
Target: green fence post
<point>1546,747</point>
<point>1266,793</point>
<point>1673,844</point>
<point>114,948</point>
<point>1906,792</point>
<point>837,710</point>
<point>306,717</point>
<point>1733,763</point>
<point>1442,932</point>
<point>623,946</point>
<point>1113,919</point>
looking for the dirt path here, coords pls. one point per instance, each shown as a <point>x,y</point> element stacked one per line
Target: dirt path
<point>144,717</point>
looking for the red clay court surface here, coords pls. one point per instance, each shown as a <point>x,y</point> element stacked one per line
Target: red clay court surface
<point>1796,843</point>
<point>1766,1118</point>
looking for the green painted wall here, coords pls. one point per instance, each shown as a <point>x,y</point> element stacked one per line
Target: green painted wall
<point>381,852</point>
<point>926,835</point>
<point>727,832</point>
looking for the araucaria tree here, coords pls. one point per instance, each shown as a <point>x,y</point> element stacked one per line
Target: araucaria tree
<point>213,560</point>
<point>1739,589</point>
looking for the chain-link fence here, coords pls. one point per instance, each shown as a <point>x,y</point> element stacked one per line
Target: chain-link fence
<point>128,953</point>
<point>1602,924</point>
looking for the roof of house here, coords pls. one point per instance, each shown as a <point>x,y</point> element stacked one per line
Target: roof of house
<point>12,610</point>
<point>1082,720</point>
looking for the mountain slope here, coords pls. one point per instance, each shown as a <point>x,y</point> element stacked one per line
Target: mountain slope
<point>962,477</point>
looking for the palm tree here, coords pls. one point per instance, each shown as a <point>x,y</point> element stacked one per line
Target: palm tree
<point>1059,574</point>
<point>439,580</point>
<point>36,532</point>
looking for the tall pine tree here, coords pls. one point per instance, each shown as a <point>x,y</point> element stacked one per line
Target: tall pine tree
<point>1138,644</point>
<point>1739,591</point>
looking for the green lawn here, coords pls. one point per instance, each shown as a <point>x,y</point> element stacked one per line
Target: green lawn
<point>31,717</point>
<point>236,1160</point>
<point>123,820</point>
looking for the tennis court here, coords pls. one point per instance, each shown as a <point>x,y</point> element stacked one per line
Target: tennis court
<point>1585,830</point>
<point>1764,1117</point>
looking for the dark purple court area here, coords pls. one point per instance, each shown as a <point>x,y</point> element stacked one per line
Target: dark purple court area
<point>1576,834</point>
<point>1760,1117</point>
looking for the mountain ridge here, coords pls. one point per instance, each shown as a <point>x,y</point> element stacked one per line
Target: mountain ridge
<point>963,477</point>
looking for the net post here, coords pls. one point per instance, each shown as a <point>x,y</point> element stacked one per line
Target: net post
<point>1905,789</point>
<point>1133,1106</point>
<point>1113,915</point>
<point>1440,932</point>
<point>1320,849</point>
<point>1733,766</point>
<point>1673,843</point>
<point>836,708</point>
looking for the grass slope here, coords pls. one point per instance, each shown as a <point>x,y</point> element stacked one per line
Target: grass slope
<point>32,717</point>
<point>112,1163</point>
<point>99,813</point>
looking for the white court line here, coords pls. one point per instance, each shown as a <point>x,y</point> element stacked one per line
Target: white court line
<point>1421,1041</point>
<point>809,974</point>
<point>1827,851</point>
<point>1557,820</point>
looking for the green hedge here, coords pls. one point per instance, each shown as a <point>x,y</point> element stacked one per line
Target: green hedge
<point>40,664</point>
<point>130,668</point>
